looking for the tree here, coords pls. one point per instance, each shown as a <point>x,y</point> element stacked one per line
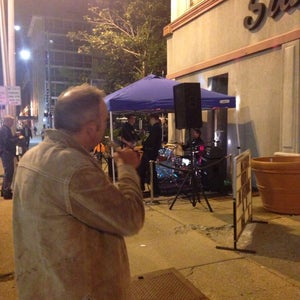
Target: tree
<point>126,39</point>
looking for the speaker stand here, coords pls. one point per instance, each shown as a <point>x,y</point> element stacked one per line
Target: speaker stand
<point>193,176</point>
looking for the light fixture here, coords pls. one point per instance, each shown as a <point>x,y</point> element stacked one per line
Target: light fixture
<point>25,54</point>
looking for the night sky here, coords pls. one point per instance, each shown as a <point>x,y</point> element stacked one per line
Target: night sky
<point>25,9</point>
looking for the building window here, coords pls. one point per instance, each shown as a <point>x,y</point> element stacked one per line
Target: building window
<point>219,83</point>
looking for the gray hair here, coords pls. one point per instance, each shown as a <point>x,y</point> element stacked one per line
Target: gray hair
<point>76,107</point>
<point>8,120</point>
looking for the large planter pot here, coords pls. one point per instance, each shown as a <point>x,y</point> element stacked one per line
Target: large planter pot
<point>278,181</point>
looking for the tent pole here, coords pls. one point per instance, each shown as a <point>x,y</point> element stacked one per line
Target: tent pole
<point>162,127</point>
<point>112,147</point>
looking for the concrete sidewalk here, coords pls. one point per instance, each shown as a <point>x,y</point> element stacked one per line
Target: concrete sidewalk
<point>186,237</point>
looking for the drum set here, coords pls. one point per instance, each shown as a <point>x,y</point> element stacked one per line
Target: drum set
<point>172,168</point>
<point>167,156</point>
<point>182,174</point>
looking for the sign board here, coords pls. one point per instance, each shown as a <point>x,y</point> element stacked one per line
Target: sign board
<point>242,197</point>
<point>10,95</point>
<point>13,95</point>
<point>242,192</point>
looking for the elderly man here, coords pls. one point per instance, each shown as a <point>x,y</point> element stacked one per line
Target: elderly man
<point>69,220</point>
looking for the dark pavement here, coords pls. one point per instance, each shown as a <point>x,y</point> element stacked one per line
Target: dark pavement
<point>186,237</point>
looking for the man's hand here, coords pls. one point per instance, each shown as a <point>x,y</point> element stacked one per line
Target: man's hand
<point>127,143</point>
<point>127,156</point>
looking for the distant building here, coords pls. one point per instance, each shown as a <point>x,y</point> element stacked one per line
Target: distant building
<point>56,63</point>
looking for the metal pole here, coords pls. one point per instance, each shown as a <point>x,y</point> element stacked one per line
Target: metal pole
<point>48,85</point>
<point>151,162</point>
<point>11,49</point>
<point>4,45</point>
<point>3,37</point>
<point>11,42</point>
<point>111,129</point>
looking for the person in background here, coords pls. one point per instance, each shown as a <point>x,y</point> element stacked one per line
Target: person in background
<point>98,151</point>
<point>27,133</point>
<point>8,143</point>
<point>35,130</point>
<point>128,135</point>
<point>164,125</point>
<point>69,220</point>
<point>43,132</point>
<point>195,146</point>
<point>150,149</point>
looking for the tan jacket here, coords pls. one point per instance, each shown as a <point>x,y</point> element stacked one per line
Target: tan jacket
<point>69,221</point>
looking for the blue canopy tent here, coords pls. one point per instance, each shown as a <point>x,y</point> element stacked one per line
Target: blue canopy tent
<point>156,93</point>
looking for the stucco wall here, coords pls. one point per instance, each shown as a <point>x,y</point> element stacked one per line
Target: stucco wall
<point>257,80</point>
<point>258,97</point>
<point>220,31</point>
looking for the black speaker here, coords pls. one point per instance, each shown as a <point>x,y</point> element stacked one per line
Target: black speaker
<point>187,105</point>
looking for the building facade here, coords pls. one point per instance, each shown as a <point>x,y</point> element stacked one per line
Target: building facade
<point>56,64</point>
<point>248,49</point>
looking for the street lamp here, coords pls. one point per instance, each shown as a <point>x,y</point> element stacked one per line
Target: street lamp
<point>25,54</point>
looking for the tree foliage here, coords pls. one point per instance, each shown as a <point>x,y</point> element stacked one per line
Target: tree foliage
<point>126,39</point>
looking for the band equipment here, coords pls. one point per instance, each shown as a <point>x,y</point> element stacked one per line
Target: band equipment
<point>187,105</point>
